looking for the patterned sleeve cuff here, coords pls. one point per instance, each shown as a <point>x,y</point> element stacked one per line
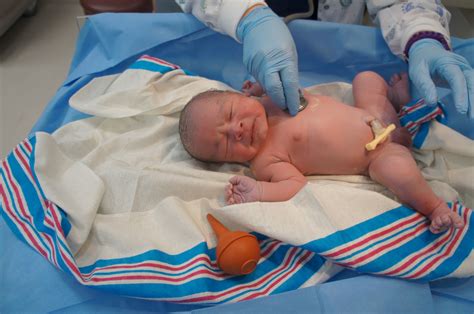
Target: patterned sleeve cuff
<point>422,35</point>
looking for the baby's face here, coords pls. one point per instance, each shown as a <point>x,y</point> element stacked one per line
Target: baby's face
<point>229,128</point>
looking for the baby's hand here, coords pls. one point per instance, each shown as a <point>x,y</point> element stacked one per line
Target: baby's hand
<point>250,88</point>
<point>242,189</point>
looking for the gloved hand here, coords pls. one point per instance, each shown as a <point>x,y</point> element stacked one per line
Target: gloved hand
<point>428,57</point>
<point>270,56</point>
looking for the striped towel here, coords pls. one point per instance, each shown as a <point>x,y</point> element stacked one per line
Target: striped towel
<point>114,201</point>
<point>416,117</point>
<point>190,277</point>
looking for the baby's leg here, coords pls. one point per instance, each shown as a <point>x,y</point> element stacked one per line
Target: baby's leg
<point>394,167</point>
<point>371,93</point>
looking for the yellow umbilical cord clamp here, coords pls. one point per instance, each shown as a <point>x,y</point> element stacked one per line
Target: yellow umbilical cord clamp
<point>380,135</point>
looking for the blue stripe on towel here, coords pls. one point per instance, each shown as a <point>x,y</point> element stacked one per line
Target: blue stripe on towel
<point>153,64</point>
<point>377,245</point>
<point>153,274</point>
<point>416,117</point>
<point>404,248</point>
<point>144,65</point>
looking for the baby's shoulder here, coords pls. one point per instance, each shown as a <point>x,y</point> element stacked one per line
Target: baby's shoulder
<point>260,165</point>
<point>262,159</point>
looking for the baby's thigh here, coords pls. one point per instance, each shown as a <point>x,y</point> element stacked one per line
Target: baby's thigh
<point>392,162</point>
<point>369,83</point>
<point>371,94</point>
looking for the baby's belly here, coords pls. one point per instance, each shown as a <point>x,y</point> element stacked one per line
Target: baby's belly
<point>335,143</point>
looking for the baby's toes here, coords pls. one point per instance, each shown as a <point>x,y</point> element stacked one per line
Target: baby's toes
<point>457,221</point>
<point>440,224</point>
<point>394,79</point>
<point>404,76</point>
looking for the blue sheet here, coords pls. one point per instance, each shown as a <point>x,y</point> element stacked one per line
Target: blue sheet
<point>107,44</point>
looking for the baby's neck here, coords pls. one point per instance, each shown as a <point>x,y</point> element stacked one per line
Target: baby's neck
<point>271,109</point>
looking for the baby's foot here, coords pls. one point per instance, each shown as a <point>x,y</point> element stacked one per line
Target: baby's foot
<point>399,90</point>
<point>443,218</point>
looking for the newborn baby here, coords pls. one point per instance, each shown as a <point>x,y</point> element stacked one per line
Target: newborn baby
<point>327,137</point>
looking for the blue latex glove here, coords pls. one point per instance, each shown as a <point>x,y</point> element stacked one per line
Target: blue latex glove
<point>270,56</point>
<point>428,57</point>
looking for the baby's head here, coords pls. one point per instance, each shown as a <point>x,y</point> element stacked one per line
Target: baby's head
<point>223,126</point>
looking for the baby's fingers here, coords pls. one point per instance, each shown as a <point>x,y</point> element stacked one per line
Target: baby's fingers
<point>230,200</point>
<point>228,194</point>
<point>234,180</point>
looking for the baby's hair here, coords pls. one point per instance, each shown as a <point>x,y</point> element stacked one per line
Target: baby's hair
<point>185,119</point>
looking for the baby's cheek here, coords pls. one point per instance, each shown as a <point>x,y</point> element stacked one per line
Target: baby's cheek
<point>246,153</point>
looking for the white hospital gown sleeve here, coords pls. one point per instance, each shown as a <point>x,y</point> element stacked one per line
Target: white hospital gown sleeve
<point>222,16</point>
<point>400,20</point>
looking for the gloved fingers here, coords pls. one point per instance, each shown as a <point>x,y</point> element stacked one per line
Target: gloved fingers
<point>420,76</point>
<point>289,78</point>
<point>274,88</point>
<point>469,75</point>
<point>455,78</point>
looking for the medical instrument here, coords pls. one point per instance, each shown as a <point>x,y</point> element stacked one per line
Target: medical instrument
<point>237,252</point>
<point>380,134</point>
<point>301,107</point>
<point>303,101</point>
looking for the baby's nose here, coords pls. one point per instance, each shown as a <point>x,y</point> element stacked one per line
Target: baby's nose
<point>238,130</point>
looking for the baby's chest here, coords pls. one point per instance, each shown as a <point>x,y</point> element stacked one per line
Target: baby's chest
<point>287,146</point>
<point>287,131</point>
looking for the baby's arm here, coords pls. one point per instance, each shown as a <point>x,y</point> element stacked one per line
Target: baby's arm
<point>277,182</point>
